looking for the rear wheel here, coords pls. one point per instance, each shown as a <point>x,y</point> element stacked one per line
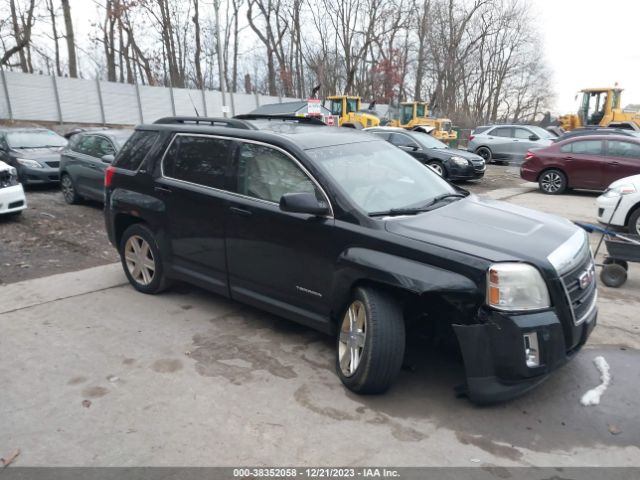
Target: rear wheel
<point>371,342</point>
<point>634,222</point>
<point>485,153</point>
<point>68,189</point>
<point>142,260</point>
<point>552,182</point>
<point>613,275</point>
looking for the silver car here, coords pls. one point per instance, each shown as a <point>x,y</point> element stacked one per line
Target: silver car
<point>507,142</point>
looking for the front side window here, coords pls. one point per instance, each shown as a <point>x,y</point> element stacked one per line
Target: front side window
<point>103,147</point>
<point>84,144</point>
<point>377,176</point>
<point>352,105</point>
<point>587,147</point>
<point>421,110</point>
<point>267,174</point>
<point>406,113</point>
<point>199,160</point>
<point>619,148</point>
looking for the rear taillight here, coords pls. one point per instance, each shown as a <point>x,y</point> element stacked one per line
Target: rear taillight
<point>108,175</point>
<point>471,137</point>
<point>528,156</point>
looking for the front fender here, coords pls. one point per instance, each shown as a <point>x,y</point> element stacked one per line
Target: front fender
<point>356,264</point>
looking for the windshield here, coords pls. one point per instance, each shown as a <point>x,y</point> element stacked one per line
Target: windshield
<point>377,176</point>
<point>35,139</point>
<point>427,141</point>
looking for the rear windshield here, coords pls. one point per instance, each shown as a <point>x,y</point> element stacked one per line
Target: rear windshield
<point>136,148</point>
<point>35,139</point>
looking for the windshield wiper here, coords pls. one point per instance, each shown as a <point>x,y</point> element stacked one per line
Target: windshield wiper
<point>415,210</point>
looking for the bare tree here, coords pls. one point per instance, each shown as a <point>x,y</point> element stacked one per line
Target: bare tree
<point>70,37</point>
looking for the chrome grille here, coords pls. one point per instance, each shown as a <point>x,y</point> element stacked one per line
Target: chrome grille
<point>581,298</point>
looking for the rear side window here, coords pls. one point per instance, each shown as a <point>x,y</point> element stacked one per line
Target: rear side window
<point>583,147</point>
<point>501,132</point>
<point>522,133</point>
<point>267,174</point>
<point>382,135</point>
<point>199,160</point>
<point>401,140</point>
<point>136,148</point>
<point>618,148</point>
<point>478,130</point>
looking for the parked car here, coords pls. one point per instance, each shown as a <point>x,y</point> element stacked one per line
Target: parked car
<point>84,160</point>
<point>626,191</point>
<point>347,234</point>
<point>34,152</point>
<point>580,132</point>
<point>450,163</point>
<point>12,199</point>
<point>588,162</point>
<point>507,142</point>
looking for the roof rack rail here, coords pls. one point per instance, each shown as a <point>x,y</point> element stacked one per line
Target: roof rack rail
<point>209,121</point>
<point>283,118</point>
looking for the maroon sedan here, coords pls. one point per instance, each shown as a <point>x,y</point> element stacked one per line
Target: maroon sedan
<point>590,162</point>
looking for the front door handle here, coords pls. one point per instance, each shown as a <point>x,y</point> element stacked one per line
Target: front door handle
<point>240,211</point>
<point>614,163</point>
<point>161,188</point>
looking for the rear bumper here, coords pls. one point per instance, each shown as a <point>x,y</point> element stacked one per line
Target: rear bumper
<point>527,173</point>
<point>494,353</point>
<point>12,199</point>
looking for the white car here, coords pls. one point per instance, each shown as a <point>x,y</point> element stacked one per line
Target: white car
<point>627,192</point>
<point>12,199</point>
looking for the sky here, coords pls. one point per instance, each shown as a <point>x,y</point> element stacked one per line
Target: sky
<point>587,43</point>
<point>590,43</point>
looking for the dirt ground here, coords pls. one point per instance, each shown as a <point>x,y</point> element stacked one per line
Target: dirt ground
<point>52,237</point>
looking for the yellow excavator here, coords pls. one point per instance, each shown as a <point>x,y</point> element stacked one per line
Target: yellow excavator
<point>415,116</point>
<point>348,110</point>
<point>601,107</point>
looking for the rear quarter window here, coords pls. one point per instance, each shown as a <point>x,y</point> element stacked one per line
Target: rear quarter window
<point>135,150</point>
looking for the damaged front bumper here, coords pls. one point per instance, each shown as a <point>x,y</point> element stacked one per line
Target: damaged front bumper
<point>495,358</point>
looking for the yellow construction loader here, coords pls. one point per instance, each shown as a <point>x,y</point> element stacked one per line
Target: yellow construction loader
<point>348,110</point>
<point>601,107</point>
<point>415,116</point>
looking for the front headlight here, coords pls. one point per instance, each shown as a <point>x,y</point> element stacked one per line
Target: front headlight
<point>516,286</point>
<point>461,162</point>
<point>28,163</point>
<point>619,191</point>
<point>13,172</point>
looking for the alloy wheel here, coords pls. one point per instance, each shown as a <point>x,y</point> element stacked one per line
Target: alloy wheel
<point>139,259</point>
<point>551,182</point>
<point>68,192</point>
<point>353,334</point>
<point>485,153</point>
<point>437,167</point>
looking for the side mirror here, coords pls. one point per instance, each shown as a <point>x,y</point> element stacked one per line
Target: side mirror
<point>533,137</point>
<point>409,148</point>
<point>107,158</point>
<point>303,203</point>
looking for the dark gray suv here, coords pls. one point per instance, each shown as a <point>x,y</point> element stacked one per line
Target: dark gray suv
<point>84,160</point>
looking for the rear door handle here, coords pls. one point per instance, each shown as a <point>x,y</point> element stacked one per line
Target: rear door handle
<point>240,211</point>
<point>161,188</point>
<point>614,163</point>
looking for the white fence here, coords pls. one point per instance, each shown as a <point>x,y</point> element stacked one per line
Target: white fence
<point>25,96</point>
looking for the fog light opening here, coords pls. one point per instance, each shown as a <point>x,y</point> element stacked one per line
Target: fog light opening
<point>531,349</point>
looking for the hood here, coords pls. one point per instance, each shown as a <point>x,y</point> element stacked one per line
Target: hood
<point>40,154</point>
<point>4,167</point>
<point>445,153</point>
<point>489,229</point>
<point>635,179</point>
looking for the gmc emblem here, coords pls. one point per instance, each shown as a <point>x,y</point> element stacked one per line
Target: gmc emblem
<point>586,277</point>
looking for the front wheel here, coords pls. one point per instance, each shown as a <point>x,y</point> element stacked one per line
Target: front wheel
<point>142,260</point>
<point>69,190</point>
<point>371,342</point>
<point>552,182</point>
<point>634,222</point>
<point>439,168</point>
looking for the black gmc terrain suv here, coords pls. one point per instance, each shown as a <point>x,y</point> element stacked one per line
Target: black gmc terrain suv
<point>343,232</point>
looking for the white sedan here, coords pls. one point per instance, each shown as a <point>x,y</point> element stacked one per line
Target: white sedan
<point>12,199</point>
<point>627,192</point>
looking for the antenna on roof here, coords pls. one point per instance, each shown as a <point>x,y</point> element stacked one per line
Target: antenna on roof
<point>193,104</point>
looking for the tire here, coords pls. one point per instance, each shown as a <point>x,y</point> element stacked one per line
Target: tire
<point>611,261</point>
<point>485,153</point>
<point>633,226</point>
<point>438,167</point>
<point>69,190</point>
<point>552,182</point>
<point>141,259</point>
<point>613,275</point>
<point>377,342</point>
